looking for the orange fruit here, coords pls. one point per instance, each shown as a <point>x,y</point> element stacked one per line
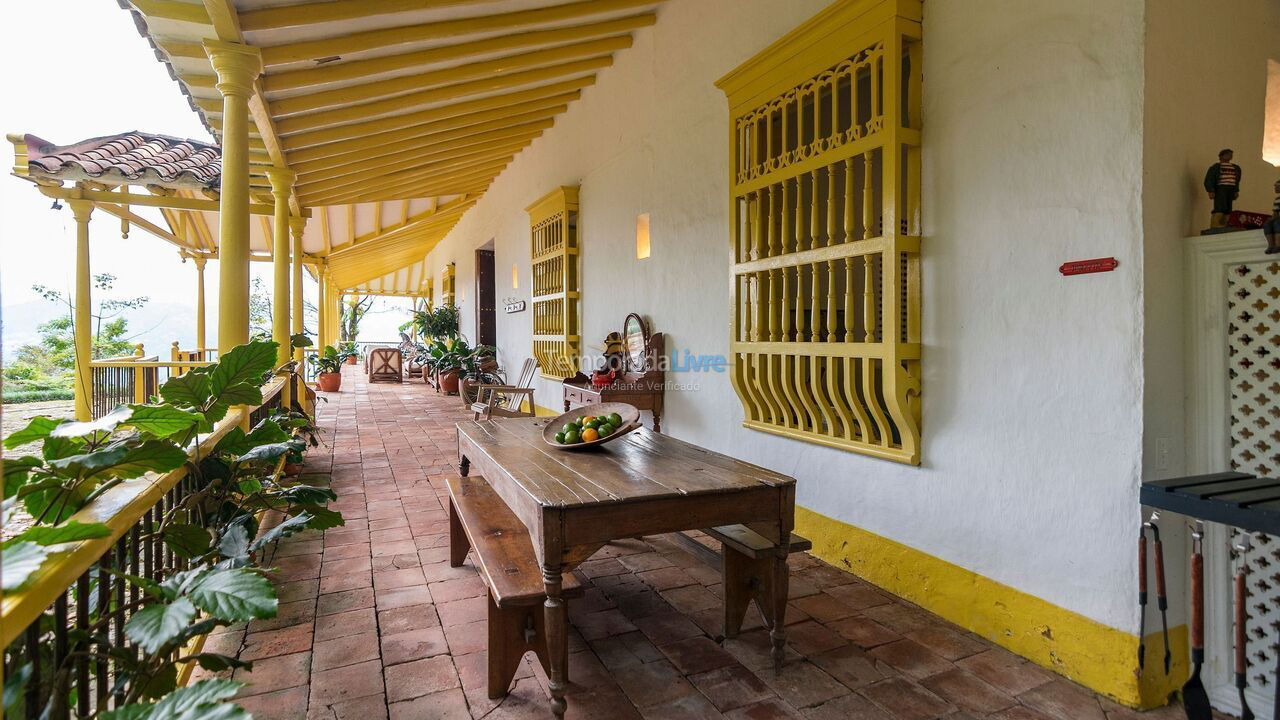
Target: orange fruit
<point>590,434</point>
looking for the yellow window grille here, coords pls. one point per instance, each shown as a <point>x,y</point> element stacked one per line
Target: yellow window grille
<point>447,284</point>
<point>825,230</point>
<point>553,221</point>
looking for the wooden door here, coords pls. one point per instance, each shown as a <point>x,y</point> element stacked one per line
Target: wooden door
<point>486,300</point>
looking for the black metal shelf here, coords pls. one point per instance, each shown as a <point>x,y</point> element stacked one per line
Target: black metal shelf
<point>1245,501</point>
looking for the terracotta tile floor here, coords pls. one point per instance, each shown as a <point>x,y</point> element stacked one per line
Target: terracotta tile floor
<point>375,625</point>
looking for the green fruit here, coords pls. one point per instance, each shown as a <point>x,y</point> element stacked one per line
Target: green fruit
<point>560,438</point>
<point>615,420</point>
<point>605,430</point>
<point>572,437</point>
<point>593,423</point>
<point>568,427</point>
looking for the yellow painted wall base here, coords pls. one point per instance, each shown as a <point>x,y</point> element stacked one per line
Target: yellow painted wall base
<point>1099,657</point>
<point>540,411</point>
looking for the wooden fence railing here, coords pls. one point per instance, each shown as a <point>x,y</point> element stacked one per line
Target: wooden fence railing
<point>79,588</point>
<point>137,378</point>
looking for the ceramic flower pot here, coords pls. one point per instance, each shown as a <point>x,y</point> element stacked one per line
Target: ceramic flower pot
<point>351,360</point>
<point>449,382</point>
<point>329,382</point>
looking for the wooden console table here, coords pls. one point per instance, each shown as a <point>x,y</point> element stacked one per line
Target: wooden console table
<point>642,382</point>
<point>574,502</point>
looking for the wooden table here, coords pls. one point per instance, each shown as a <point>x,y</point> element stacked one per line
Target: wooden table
<point>574,502</point>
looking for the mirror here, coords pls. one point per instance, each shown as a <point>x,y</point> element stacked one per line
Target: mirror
<point>635,342</point>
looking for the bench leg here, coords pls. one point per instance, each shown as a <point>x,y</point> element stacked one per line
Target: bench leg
<point>743,578</point>
<point>512,633</point>
<point>459,544</point>
<point>763,580</point>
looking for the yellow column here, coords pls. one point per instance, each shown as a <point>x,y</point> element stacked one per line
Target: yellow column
<point>200,337</point>
<point>297,225</point>
<point>281,186</point>
<point>237,67</point>
<point>82,315</point>
<point>322,307</point>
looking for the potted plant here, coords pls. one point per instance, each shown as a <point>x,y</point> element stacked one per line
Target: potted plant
<point>479,367</point>
<point>446,361</point>
<point>347,350</point>
<point>293,463</point>
<point>328,365</point>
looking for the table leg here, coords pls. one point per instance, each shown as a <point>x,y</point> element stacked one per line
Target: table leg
<point>781,588</point>
<point>557,639</point>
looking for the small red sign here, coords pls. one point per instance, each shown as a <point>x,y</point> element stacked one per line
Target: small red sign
<point>1083,267</point>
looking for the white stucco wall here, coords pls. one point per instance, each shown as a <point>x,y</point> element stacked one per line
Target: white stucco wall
<point>1033,382</point>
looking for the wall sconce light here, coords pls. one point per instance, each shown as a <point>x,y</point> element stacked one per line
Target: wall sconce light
<point>1271,116</point>
<point>642,236</point>
<point>515,277</point>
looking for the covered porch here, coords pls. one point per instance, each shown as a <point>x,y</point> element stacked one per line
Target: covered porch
<point>848,299</point>
<point>374,623</point>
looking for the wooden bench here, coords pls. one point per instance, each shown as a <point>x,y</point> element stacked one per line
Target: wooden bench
<point>746,569</point>
<point>480,522</point>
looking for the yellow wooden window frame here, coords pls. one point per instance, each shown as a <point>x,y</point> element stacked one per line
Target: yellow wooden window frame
<point>447,288</point>
<point>430,294</point>
<point>825,230</point>
<point>556,290</point>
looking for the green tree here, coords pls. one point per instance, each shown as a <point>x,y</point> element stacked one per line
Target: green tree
<point>52,360</point>
<point>353,311</point>
<point>260,311</point>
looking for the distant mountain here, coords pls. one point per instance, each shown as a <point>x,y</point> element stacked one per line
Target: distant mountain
<point>156,325</point>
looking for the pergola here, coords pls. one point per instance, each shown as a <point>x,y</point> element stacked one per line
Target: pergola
<point>358,133</point>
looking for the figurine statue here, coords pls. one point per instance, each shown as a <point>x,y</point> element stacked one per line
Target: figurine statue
<point>1222,182</point>
<point>1271,228</point>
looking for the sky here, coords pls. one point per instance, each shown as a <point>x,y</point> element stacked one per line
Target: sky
<point>101,78</point>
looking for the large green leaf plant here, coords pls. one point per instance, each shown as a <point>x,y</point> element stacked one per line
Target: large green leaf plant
<point>214,533</point>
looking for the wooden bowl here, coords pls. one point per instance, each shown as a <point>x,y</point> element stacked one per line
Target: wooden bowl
<point>630,421</point>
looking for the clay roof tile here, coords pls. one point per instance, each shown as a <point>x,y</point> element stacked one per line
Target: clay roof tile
<point>133,157</point>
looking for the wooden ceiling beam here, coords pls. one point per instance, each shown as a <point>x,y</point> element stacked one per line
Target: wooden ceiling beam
<point>125,214</point>
<point>171,10</point>
<point>350,114</point>
<point>406,220</point>
<point>314,13</point>
<point>476,189</point>
<point>429,153</point>
<point>426,188</point>
<point>349,42</point>
<point>569,88</point>
<point>357,69</point>
<point>459,137</point>
<point>301,148</point>
<point>417,187</point>
<point>377,177</point>
<point>351,94</point>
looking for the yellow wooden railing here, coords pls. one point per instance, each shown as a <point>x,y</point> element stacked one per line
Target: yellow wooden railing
<point>120,509</point>
<point>137,378</point>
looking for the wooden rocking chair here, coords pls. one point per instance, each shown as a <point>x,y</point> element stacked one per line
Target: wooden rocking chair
<point>506,400</point>
<point>384,365</point>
